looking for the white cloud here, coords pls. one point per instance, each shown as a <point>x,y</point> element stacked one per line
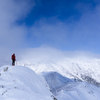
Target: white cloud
<point>41,54</point>
<point>12,35</point>
<point>13,10</point>
<point>10,12</point>
<point>45,54</point>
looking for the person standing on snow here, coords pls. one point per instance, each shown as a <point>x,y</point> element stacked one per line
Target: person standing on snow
<point>13,59</point>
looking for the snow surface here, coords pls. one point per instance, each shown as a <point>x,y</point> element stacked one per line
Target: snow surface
<point>70,78</point>
<point>22,83</point>
<point>66,79</point>
<point>68,89</point>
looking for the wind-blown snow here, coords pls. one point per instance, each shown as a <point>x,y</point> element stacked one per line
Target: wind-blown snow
<point>22,83</point>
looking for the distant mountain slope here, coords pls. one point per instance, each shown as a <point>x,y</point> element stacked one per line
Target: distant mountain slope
<point>21,83</point>
<point>68,89</point>
<point>87,69</point>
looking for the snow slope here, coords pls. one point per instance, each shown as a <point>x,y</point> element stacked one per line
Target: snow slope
<point>83,72</point>
<point>21,83</point>
<point>68,89</point>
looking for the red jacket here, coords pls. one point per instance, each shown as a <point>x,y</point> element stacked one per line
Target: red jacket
<point>13,57</point>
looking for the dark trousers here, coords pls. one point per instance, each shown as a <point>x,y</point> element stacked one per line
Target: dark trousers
<point>13,62</point>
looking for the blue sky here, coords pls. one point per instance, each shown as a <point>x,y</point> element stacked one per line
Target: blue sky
<point>64,24</point>
<point>67,25</point>
<point>62,9</point>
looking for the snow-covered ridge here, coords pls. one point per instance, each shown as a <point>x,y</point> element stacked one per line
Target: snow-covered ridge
<point>21,83</point>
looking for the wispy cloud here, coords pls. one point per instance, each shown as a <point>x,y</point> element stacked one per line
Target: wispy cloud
<point>10,12</point>
<point>48,33</point>
<point>81,34</point>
